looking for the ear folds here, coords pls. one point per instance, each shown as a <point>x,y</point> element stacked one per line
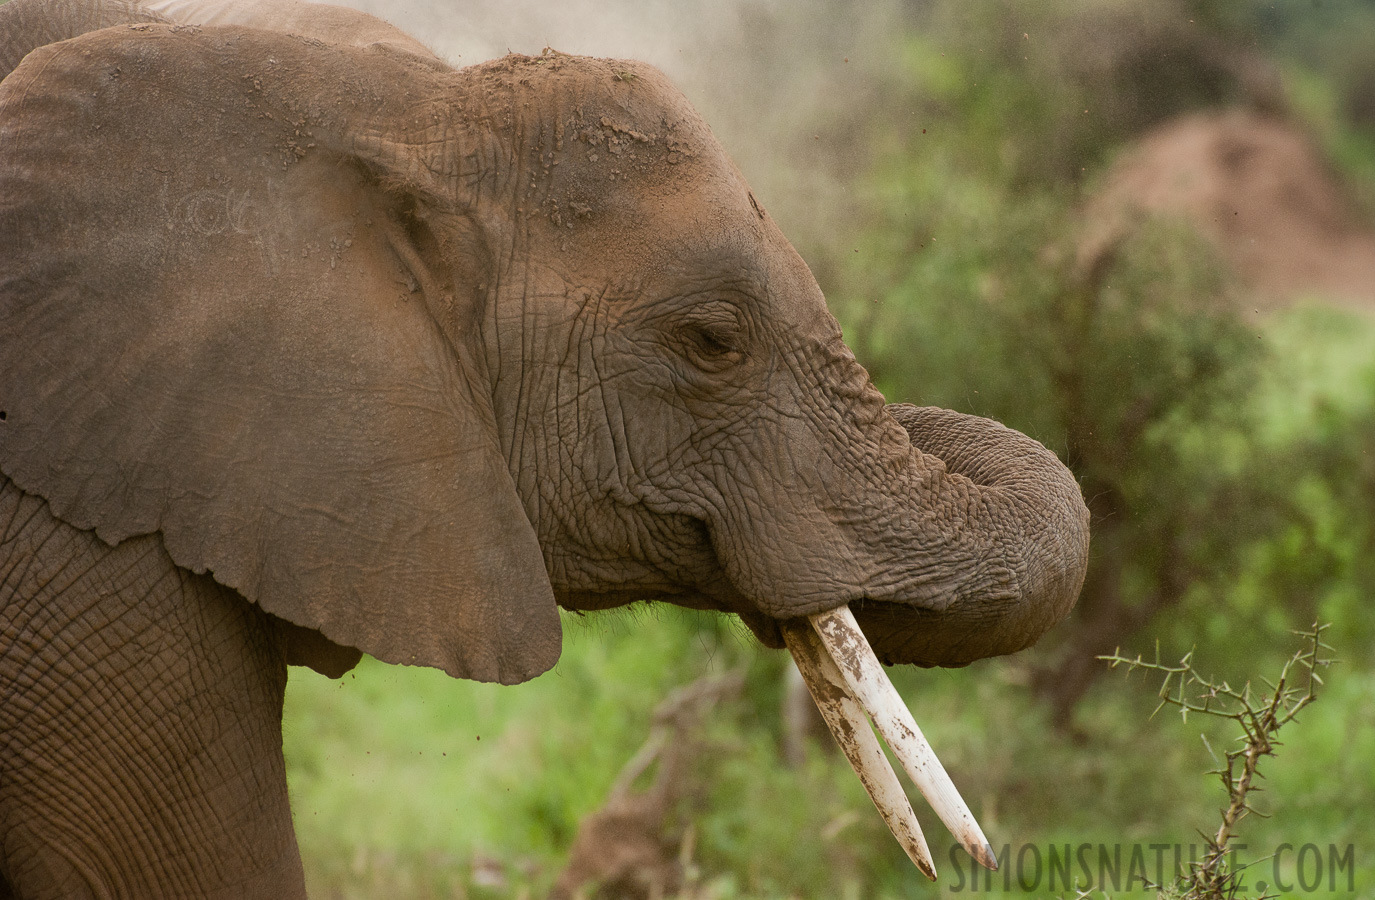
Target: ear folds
<point>210,327</point>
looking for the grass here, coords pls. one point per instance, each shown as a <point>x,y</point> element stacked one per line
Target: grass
<point>408,784</point>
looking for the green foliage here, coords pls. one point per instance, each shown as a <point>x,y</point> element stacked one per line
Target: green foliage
<point>1041,93</point>
<point>1324,105</point>
<point>435,734</point>
<point>1309,424</point>
<point>408,783</point>
<point>395,797</point>
<point>1217,467</point>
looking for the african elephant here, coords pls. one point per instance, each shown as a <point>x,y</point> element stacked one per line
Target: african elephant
<point>312,345</point>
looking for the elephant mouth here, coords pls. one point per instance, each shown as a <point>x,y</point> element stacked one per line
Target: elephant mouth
<point>847,682</point>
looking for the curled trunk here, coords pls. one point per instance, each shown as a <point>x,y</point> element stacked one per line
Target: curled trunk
<point>1006,562</point>
<point>1017,543</point>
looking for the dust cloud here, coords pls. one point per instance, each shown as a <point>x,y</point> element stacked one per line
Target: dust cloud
<point>784,84</point>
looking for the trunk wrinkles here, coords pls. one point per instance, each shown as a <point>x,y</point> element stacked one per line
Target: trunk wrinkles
<point>1012,554</point>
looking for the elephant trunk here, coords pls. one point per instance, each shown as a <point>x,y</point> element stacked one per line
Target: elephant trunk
<point>1005,564</point>
<point>1016,544</point>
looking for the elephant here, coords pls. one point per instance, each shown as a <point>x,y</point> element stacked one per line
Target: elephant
<point>313,345</point>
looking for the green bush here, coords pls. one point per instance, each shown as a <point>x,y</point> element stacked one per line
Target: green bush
<point>971,288</point>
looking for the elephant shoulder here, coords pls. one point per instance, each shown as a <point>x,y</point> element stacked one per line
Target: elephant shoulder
<point>45,562</point>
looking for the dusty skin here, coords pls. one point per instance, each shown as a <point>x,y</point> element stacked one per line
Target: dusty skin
<point>313,345</point>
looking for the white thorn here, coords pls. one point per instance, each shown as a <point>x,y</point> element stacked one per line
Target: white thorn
<point>864,676</point>
<point>851,729</point>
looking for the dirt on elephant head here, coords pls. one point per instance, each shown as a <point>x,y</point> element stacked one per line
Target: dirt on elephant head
<point>1259,189</point>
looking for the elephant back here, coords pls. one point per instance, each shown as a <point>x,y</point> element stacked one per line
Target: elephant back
<point>26,25</point>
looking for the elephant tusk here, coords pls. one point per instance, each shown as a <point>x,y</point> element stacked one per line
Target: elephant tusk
<point>869,684</point>
<point>851,729</point>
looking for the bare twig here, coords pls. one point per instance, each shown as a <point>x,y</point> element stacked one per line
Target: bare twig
<point>1260,715</point>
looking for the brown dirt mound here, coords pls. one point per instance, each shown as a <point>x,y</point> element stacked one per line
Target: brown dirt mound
<point>1259,189</point>
<point>636,846</point>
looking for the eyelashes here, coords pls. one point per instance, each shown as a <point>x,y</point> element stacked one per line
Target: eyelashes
<point>713,339</point>
<point>716,340</point>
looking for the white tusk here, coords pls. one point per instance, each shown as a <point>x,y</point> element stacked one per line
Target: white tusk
<point>864,676</point>
<point>851,729</point>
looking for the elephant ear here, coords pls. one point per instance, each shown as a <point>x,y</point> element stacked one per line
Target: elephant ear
<point>217,322</point>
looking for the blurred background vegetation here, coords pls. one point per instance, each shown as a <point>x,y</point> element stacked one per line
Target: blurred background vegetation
<point>1143,234</point>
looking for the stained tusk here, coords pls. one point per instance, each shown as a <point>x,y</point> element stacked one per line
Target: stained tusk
<point>864,675</point>
<point>847,722</point>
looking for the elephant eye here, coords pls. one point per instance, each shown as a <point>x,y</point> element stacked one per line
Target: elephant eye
<point>714,341</point>
<point>710,333</point>
<point>713,346</point>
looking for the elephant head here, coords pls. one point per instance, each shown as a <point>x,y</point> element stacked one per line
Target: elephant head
<point>412,355</point>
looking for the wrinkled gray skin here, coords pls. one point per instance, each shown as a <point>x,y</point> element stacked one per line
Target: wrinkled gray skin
<point>310,344</point>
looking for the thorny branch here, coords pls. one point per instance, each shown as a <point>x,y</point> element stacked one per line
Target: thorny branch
<point>1260,715</point>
